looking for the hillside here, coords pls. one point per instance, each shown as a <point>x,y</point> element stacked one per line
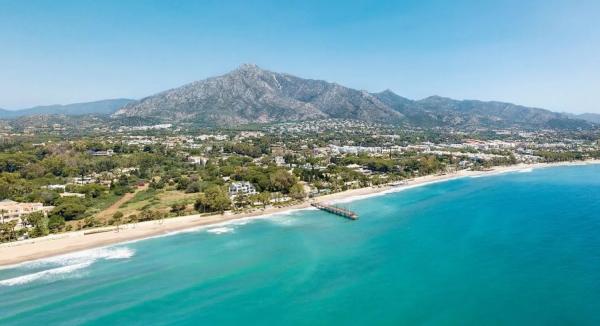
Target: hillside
<point>97,107</point>
<point>253,95</point>
<point>250,94</point>
<point>440,111</point>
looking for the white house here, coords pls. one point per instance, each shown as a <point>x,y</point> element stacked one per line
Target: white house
<point>72,194</point>
<point>198,160</point>
<point>241,188</point>
<point>83,180</point>
<point>55,187</point>
<point>279,160</point>
<point>108,152</point>
<point>12,210</point>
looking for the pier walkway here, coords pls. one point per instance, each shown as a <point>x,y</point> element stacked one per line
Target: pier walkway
<point>336,210</point>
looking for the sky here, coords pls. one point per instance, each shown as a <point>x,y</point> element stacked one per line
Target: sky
<point>536,53</point>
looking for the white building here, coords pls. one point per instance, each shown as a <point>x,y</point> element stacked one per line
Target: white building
<point>198,160</point>
<point>12,210</point>
<point>241,188</point>
<point>355,149</point>
<point>55,187</point>
<point>279,160</point>
<point>83,180</point>
<point>72,194</point>
<point>108,152</point>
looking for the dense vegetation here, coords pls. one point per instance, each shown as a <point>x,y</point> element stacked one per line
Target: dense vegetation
<point>154,178</point>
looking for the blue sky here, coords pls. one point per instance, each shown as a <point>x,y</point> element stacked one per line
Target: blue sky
<point>537,53</point>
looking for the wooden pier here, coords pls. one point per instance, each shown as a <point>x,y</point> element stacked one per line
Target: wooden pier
<point>336,210</point>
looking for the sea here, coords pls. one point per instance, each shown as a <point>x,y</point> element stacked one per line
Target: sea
<point>518,248</point>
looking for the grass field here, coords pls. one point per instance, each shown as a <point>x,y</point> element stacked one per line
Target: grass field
<point>156,200</point>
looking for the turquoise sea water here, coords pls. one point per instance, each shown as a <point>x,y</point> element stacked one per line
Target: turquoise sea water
<point>511,249</point>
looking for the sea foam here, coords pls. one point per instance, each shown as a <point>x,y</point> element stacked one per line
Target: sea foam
<point>91,255</point>
<point>220,230</point>
<point>46,274</point>
<point>63,266</point>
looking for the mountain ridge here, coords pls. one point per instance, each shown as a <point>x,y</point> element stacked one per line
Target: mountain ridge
<point>591,117</point>
<point>250,94</point>
<point>104,107</point>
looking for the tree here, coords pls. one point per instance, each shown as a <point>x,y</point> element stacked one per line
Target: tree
<point>56,165</point>
<point>105,164</point>
<point>90,222</point>
<point>281,180</point>
<point>4,232</point>
<point>45,196</point>
<point>56,223</point>
<point>133,218</point>
<point>149,215</point>
<point>264,198</point>
<point>92,190</point>
<point>214,199</point>
<point>240,200</point>
<point>83,168</point>
<point>39,224</point>
<point>157,184</point>
<point>11,227</point>
<point>178,208</point>
<point>297,191</point>
<point>69,210</point>
<point>13,162</point>
<point>193,187</point>
<point>117,218</point>
<point>7,231</point>
<point>33,171</point>
<point>182,183</point>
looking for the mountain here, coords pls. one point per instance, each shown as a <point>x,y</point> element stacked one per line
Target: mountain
<point>250,94</point>
<point>442,111</point>
<point>98,107</point>
<point>590,117</point>
<point>253,95</point>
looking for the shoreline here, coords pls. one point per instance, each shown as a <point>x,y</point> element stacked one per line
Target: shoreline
<point>14,253</point>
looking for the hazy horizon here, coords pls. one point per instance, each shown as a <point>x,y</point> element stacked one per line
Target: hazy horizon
<point>539,54</point>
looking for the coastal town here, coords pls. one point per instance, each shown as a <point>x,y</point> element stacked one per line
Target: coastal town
<point>299,163</point>
<point>58,179</point>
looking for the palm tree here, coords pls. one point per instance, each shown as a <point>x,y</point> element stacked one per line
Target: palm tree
<point>264,198</point>
<point>117,217</point>
<point>240,201</point>
<point>2,212</point>
<point>312,161</point>
<point>133,219</point>
<point>4,232</point>
<point>11,226</point>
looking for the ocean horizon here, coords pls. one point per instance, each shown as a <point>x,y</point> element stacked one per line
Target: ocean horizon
<point>516,248</point>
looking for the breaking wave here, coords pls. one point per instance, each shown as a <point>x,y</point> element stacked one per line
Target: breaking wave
<point>284,220</point>
<point>83,256</point>
<point>64,266</point>
<point>220,230</point>
<point>46,274</point>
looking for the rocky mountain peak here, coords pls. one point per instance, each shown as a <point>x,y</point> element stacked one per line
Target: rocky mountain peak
<point>248,67</point>
<point>250,94</point>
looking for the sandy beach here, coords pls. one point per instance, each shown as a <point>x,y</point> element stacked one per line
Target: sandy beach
<point>56,244</point>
